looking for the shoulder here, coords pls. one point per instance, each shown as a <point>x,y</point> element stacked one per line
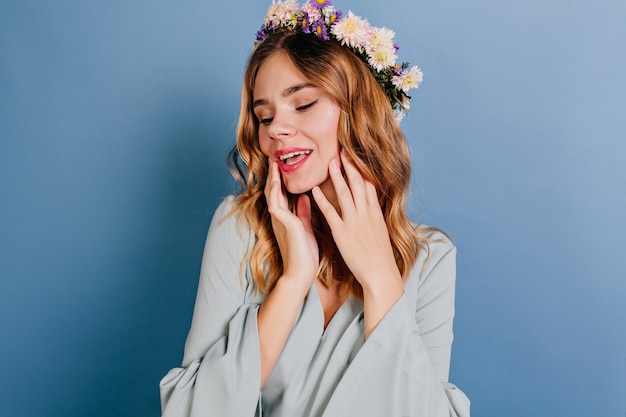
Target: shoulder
<point>225,207</point>
<point>226,215</point>
<point>227,243</point>
<point>438,243</point>
<point>436,253</point>
<point>226,229</point>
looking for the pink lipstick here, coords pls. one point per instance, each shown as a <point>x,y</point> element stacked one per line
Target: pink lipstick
<point>290,159</point>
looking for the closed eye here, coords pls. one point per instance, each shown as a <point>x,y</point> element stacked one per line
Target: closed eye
<point>306,106</point>
<point>268,120</point>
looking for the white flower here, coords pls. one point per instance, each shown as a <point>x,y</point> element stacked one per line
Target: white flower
<point>280,13</point>
<point>381,38</point>
<point>406,104</point>
<point>327,10</point>
<point>312,11</point>
<point>408,79</point>
<point>352,31</point>
<point>382,57</point>
<point>398,115</point>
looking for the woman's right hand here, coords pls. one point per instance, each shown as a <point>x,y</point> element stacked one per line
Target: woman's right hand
<point>300,256</point>
<point>294,232</point>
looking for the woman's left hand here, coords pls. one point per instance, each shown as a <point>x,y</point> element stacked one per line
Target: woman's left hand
<point>360,231</point>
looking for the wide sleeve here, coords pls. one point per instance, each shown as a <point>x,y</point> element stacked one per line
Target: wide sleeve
<point>221,372</point>
<point>402,367</point>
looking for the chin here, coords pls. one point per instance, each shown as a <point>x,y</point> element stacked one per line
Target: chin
<point>302,184</point>
<point>298,189</point>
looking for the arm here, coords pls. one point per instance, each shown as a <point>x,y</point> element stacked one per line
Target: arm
<point>221,366</point>
<point>299,252</point>
<point>361,235</point>
<point>402,368</point>
<point>276,318</point>
<point>233,345</point>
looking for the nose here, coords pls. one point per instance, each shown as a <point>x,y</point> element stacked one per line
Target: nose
<point>281,126</point>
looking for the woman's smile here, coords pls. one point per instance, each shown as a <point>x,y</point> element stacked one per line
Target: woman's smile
<point>290,159</point>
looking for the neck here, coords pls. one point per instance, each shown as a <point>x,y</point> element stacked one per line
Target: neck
<point>329,191</point>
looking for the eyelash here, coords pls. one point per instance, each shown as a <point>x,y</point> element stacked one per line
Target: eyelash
<point>268,120</point>
<point>306,106</point>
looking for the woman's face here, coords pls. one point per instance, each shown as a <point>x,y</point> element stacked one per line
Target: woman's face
<point>297,124</point>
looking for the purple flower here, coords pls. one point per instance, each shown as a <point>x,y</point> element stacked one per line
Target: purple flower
<point>334,17</point>
<point>320,4</point>
<point>304,23</point>
<point>319,28</point>
<point>397,69</point>
<point>261,35</point>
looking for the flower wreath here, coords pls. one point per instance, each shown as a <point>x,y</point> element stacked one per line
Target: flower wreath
<point>374,45</point>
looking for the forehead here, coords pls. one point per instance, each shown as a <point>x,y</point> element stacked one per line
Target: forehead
<point>276,74</point>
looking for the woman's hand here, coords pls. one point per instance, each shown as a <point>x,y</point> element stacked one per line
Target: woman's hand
<point>360,232</point>
<point>294,233</point>
<point>300,256</point>
<point>361,235</point>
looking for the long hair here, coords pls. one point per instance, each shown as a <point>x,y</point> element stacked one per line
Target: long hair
<point>367,131</point>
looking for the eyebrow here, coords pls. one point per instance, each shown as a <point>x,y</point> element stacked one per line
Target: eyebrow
<point>286,93</point>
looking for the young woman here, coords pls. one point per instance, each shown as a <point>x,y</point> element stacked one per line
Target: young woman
<point>317,296</point>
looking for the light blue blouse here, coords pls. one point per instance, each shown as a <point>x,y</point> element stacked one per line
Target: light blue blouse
<point>400,371</point>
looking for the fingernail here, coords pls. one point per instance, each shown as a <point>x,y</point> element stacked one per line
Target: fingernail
<point>334,164</point>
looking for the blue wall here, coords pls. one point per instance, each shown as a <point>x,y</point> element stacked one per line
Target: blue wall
<point>115,120</point>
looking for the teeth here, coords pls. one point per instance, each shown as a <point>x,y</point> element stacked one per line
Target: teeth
<point>292,154</point>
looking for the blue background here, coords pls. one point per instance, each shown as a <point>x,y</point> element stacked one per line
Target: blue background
<point>115,121</point>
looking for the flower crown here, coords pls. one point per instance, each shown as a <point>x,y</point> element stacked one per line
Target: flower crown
<point>375,46</point>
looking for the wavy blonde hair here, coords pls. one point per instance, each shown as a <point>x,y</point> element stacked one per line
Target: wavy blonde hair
<point>367,131</point>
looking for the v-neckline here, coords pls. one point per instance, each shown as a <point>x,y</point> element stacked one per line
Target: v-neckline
<point>338,313</point>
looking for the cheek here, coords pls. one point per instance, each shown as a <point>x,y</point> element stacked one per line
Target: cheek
<point>264,144</point>
<point>330,134</point>
<point>330,144</point>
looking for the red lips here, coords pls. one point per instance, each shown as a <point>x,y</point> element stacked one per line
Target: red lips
<point>290,159</point>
